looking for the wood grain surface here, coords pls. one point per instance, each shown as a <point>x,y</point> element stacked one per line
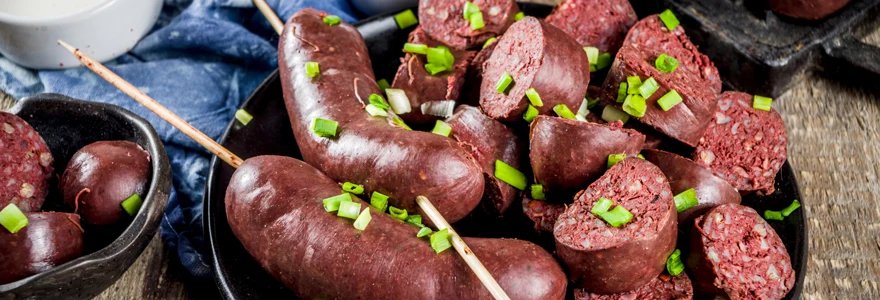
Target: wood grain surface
<point>834,133</point>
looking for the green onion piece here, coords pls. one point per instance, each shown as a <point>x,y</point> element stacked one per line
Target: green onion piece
<point>424,231</point>
<point>397,213</point>
<point>332,204</point>
<point>399,122</point>
<point>132,204</point>
<point>312,69</point>
<point>538,192</point>
<point>584,110</point>
<point>602,206</point>
<point>685,200</point>
<point>635,106</point>
<point>613,159</point>
<point>349,209</point>
<point>530,114</point>
<point>640,156</point>
<point>593,68</point>
<point>356,189</point>
<point>519,16</point>
<point>611,114</point>
<point>375,111</point>
<point>433,69</point>
<point>415,220</point>
<point>243,116</point>
<point>617,217</point>
<point>383,84</point>
<point>415,48</point>
<point>648,88</point>
<point>593,103</point>
<point>469,9</point>
<point>604,61</point>
<point>477,21</point>
<point>363,220</point>
<point>563,111</point>
<point>622,92</point>
<point>503,84</point>
<point>323,127</point>
<point>440,240</point>
<point>377,101</point>
<point>791,208</point>
<point>13,219</point>
<point>773,215</point>
<point>489,42</point>
<point>332,20</point>
<point>406,19</point>
<point>510,175</point>
<point>534,98</point>
<point>441,128</point>
<point>669,19</point>
<point>592,55</point>
<point>762,103</point>
<point>666,63</point>
<point>673,264</point>
<point>437,56</point>
<point>450,59</point>
<point>379,201</point>
<point>670,100</point>
<point>633,83</point>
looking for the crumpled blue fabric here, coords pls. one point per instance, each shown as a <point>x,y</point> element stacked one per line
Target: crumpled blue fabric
<point>201,60</point>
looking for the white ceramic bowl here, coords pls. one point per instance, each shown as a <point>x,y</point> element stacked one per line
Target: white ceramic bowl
<point>103,29</point>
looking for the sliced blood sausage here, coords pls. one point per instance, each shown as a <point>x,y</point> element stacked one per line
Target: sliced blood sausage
<point>543,213</point>
<point>366,150</point>
<point>471,91</point>
<point>540,56</point>
<point>606,260</point>
<point>664,287</point>
<point>103,174</point>
<point>49,239</point>
<point>743,145</point>
<point>25,164</point>
<point>735,254</point>
<point>684,174</point>
<point>567,155</point>
<point>807,9</point>
<point>488,140</point>
<point>421,87</point>
<point>596,23</point>
<point>275,202</point>
<point>444,21</point>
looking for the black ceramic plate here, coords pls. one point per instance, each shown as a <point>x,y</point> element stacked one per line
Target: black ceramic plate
<point>240,277</point>
<point>67,125</point>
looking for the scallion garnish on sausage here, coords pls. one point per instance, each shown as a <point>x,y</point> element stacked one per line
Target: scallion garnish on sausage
<point>332,20</point>
<point>534,98</point>
<point>530,114</point>
<point>12,218</point>
<point>785,212</point>
<point>665,63</point>
<point>363,219</point>
<point>537,192</point>
<point>622,92</point>
<point>352,188</point>
<point>243,116</point>
<point>383,84</point>
<point>324,127</point>
<point>613,159</point>
<point>406,19</point>
<point>504,83</point>
<point>635,105</point>
<point>762,103</point>
<point>611,114</point>
<point>791,208</point>
<point>349,209</point>
<point>510,175</point>
<point>415,48</point>
<point>375,111</point>
<point>399,122</point>
<point>489,42</point>
<point>648,87</point>
<point>398,213</point>
<point>379,201</point>
<point>132,204</point>
<point>670,100</point>
<point>673,263</point>
<point>584,110</point>
<point>669,19</point>
<point>563,111</point>
<point>592,55</point>
<point>469,9</point>
<point>415,220</point>
<point>312,69</point>
<point>398,100</point>
<point>686,200</point>
<point>633,83</point>
<point>616,217</point>
<point>424,231</point>
<point>476,21</point>
<point>441,128</point>
<point>519,16</point>
<point>601,206</point>
<point>440,240</point>
<point>604,61</point>
<point>332,204</point>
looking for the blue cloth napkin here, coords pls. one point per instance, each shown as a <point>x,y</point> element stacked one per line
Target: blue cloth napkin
<point>201,60</point>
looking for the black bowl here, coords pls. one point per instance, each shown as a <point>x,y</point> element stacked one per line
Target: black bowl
<point>239,276</point>
<point>67,125</point>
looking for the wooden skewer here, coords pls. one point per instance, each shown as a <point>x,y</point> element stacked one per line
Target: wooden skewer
<point>270,15</point>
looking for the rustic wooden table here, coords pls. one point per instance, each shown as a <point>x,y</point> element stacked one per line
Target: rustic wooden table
<point>834,133</point>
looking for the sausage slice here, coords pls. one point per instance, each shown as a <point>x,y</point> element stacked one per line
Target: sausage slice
<point>664,287</point>
<point>444,21</point>
<point>25,164</point>
<point>595,23</point>
<point>50,239</point>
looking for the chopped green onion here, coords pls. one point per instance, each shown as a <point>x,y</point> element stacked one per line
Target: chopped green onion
<point>611,114</point>
<point>563,111</point>
<point>450,59</point>
<point>666,63</point>
<point>469,9</point>
<point>633,84</point>
<point>640,156</point>
<point>397,213</point>
<point>538,192</point>
<point>332,204</point>
<point>670,100</point>
<point>584,110</point>
<point>592,55</point>
<point>673,264</point>
<point>375,111</point>
<point>617,217</point>
<point>332,20</point>
<point>530,114</point>
<point>423,232</point>
<point>415,48</point>
<point>613,159</point>
<point>441,128</point>
<point>132,204</point>
<point>383,84</point>
<point>686,200</point>
<point>791,207</point>
<point>602,206</point>
<point>398,101</point>
<point>489,42</point>
<point>12,218</point>
<point>622,92</point>
<point>648,87</point>
<point>363,220</point>
<point>433,69</point>
<point>477,21</point>
<point>669,19</point>
<point>415,220</point>
<point>379,201</point>
<point>510,175</point>
<point>399,122</point>
<point>592,103</point>
<point>503,84</point>
<point>243,116</point>
<point>773,215</point>
<point>762,103</point>
<point>604,61</point>
<point>323,127</point>
<point>438,56</point>
<point>312,69</point>
<point>534,98</point>
<point>593,68</point>
<point>406,19</point>
<point>635,106</point>
<point>378,101</point>
<point>356,189</point>
<point>349,209</point>
<point>440,240</point>
<point>519,16</point>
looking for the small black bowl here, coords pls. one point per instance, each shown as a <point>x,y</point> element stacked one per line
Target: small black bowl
<point>67,125</point>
